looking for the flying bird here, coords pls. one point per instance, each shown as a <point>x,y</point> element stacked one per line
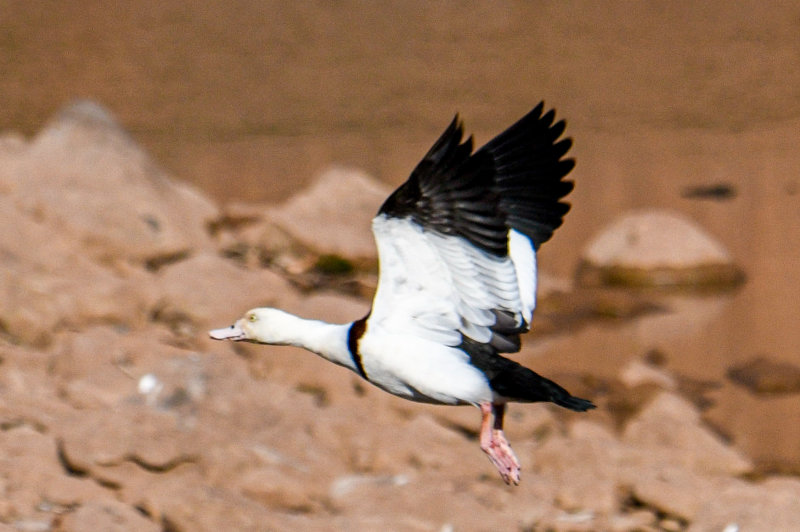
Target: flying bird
<point>457,249</point>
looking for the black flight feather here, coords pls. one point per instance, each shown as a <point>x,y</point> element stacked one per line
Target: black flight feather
<point>514,181</point>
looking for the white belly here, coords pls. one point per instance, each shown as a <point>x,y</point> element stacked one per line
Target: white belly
<point>421,370</point>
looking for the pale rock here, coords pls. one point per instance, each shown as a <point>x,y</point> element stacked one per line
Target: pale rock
<point>246,234</point>
<point>653,239</point>
<point>586,430</point>
<point>31,473</point>
<point>281,489</point>
<point>85,200</point>
<point>548,284</point>
<point>85,178</point>
<point>639,520</point>
<point>47,284</point>
<point>334,215</point>
<point>130,433</point>
<point>424,443</point>
<point>29,397</point>
<point>331,307</point>
<point>660,249</point>
<point>187,502</point>
<point>102,367</point>
<point>12,142</point>
<point>583,469</point>
<point>669,428</point>
<point>109,516</point>
<point>636,373</point>
<point>571,521</point>
<point>676,491</point>
<point>94,368</point>
<point>763,507</point>
<point>687,316</point>
<point>208,291</point>
<point>345,486</point>
<point>670,524</point>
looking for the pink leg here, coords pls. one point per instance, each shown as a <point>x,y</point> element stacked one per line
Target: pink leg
<point>495,445</point>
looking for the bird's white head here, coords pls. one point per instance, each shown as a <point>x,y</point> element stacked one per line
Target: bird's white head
<point>262,325</point>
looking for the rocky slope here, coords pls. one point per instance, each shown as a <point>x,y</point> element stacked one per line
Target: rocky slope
<point>117,413</point>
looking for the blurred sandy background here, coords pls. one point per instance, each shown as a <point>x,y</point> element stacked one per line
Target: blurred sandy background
<point>250,100</point>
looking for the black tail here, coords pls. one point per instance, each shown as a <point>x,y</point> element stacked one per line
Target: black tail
<point>518,383</point>
<point>574,403</point>
<point>523,384</point>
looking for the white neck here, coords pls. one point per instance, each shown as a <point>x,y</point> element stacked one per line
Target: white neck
<point>328,340</point>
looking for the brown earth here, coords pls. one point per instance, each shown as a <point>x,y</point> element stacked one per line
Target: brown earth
<point>113,270</point>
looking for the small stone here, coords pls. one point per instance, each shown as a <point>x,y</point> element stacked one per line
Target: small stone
<point>107,515</point>
<point>149,383</point>
<point>637,372</point>
<point>345,485</point>
<point>279,490</point>
<point>763,376</point>
<point>671,525</point>
<point>637,520</point>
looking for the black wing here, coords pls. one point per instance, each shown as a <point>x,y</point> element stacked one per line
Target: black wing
<point>514,181</point>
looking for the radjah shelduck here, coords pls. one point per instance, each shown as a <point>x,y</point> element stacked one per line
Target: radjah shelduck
<point>457,249</point>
